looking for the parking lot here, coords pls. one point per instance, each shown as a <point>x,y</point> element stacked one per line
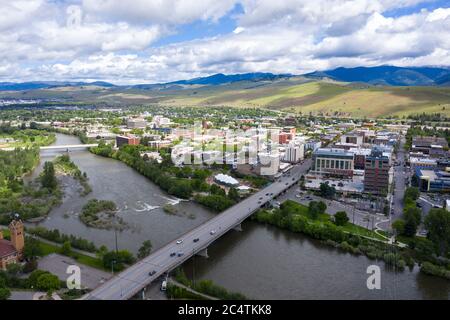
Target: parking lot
<point>57,264</point>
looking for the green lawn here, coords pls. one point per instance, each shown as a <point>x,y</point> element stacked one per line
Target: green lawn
<point>23,141</point>
<point>81,258</point>
<point>348,227</point>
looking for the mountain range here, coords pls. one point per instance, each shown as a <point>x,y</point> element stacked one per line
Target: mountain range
<point>380,75</point>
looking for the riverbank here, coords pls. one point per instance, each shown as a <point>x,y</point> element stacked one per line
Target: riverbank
<point>350,238</point>
<point>183,288</point>
<point>30,200</point>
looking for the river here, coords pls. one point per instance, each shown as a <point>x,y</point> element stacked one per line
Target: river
<point>261,262</point>
<point>139,201</point>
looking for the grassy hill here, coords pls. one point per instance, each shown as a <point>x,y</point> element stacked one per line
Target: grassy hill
<point>322,97</point>
<point>295,94</point>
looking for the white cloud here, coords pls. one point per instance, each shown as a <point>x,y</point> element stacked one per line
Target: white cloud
<point>158,11</point>
<point>112,40</point>
<point>14,13</point>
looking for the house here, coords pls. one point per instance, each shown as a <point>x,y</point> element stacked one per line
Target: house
<point>12,251</point>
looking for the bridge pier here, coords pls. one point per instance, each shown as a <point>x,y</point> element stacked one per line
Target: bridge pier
<point>238,227</point>
<point>203,253</point>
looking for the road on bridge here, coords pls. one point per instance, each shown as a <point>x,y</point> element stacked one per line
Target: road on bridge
<point>130,281</point>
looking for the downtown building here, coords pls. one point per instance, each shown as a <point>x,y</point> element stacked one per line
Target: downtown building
<point>332,162</point>
<point>377,172</point>
<point>295,152</point>
<point>136,123</point>
<point>124,140</point>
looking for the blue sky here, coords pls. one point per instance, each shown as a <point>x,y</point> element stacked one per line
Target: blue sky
<point>155,41</point>
<point>203,29</point>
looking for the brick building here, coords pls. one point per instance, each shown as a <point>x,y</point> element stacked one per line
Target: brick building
<point>11,251</point>
<point>376,172</point>
<point>123,140</point>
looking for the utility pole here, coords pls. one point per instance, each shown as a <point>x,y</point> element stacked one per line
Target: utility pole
<point>193,267</point>
<point>115,236</point>
<point>115,233</point>
<point>353,211</point>
<point>112,267</point>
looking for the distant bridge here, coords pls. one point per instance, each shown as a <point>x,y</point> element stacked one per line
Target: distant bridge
<point>59,147</point>
<point>70,146</point>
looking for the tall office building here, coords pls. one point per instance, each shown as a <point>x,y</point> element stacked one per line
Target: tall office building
<point>294,152</point>
<point>376,172</point>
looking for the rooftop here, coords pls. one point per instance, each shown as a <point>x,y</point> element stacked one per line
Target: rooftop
<point>226,179</point>
<point>333,152</point>
<point>6,248</point>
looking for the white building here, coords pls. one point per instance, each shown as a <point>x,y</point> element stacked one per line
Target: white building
<point>270,163</point>
<point>136,123</point>
<point>160,121</point>
<point>226,180</point>
<point>294,152</point>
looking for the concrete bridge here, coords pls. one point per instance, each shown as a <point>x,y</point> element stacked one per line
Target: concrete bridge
<point>69,147</point>
<point>129,282</point>
<point>60,147</point>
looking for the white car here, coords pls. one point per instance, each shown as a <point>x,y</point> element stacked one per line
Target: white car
<point>212,232</point>
<point>179,241</point>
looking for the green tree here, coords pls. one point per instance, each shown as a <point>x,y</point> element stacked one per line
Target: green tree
<point>340,218</point>
<point>412,217</point>
<point>66,248</point>
<point>410,228</point>
<point>48,282</point>
<point>233,194</point>
<point>34,276</point>
<point>145,249</point>
<point>438,225</point>
<point>399,226</point>
<point>32,248</point>
<point>48,178</point>
<point>102,251</point>
<point>4,293</point>
<point>412,193</point>
<point>322,206</point>
<point>215,189</point>
<point>13,269</point>
<point>314,210</point>
<point>117,260</point>
<point>327,191</point>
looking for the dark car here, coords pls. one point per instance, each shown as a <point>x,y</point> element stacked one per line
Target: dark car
<point>180,254</point>
<point>151,273</point>
<point>173,254</point>
<point>196,239</point>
